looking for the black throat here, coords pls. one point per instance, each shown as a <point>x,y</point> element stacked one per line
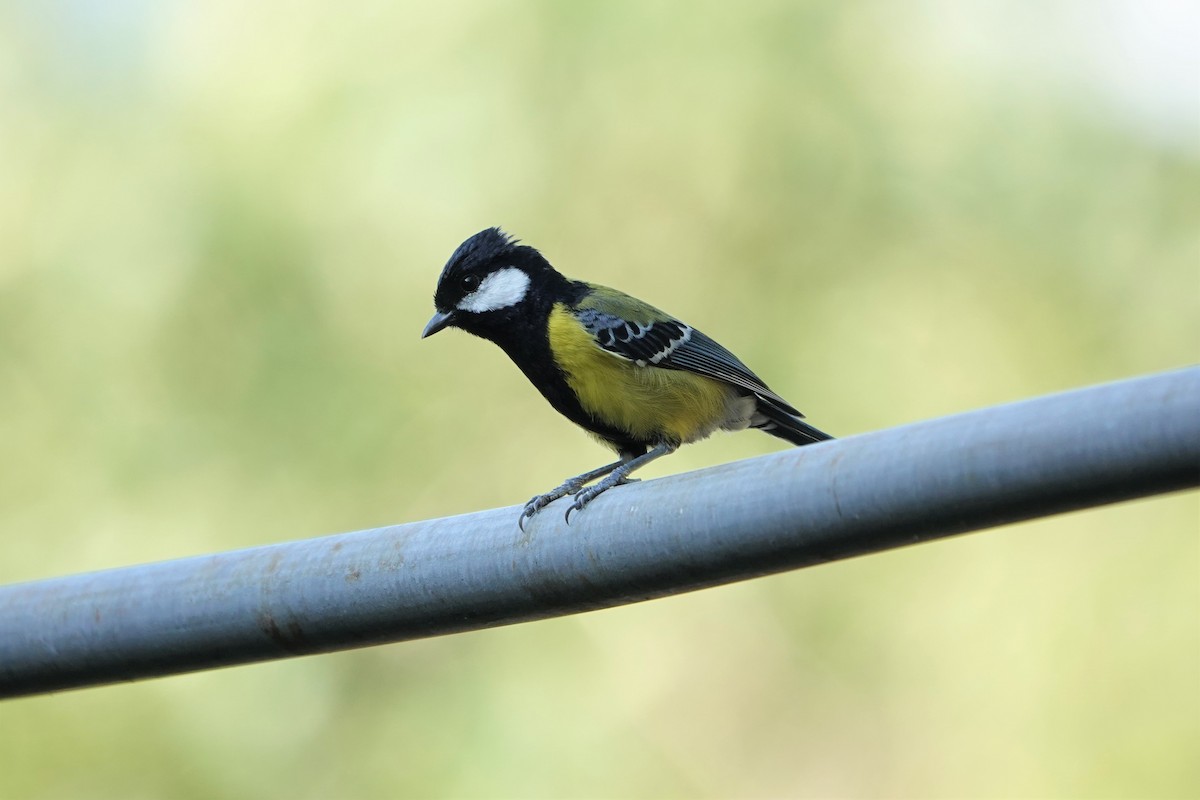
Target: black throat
<point>522,332</point>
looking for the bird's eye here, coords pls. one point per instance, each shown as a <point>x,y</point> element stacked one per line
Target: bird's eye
<point>470,283</point>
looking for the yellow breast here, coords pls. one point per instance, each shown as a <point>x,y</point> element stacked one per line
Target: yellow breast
<point>648,403</point>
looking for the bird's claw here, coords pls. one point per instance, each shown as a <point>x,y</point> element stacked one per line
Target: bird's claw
<point>581,500</point>
<point>536,504</point>
<point>592,492</point>
<point>572,487</point>
<point>540,501</point>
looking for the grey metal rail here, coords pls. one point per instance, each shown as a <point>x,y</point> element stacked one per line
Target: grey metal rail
<point>778,512</point>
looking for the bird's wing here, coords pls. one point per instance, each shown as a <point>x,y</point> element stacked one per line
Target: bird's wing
<point>640,333</point>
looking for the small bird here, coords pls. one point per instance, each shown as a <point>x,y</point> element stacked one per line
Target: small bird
<point>635,378</point>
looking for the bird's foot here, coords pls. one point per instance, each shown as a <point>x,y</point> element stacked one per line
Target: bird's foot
<point>570,486</point>
<point>617,473</point>
<point>585,496</point>
<point>538,502</point>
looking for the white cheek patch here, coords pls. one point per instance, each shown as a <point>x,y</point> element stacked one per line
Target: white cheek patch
<point>503,288</point>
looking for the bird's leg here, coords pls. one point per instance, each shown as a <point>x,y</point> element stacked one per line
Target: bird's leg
<point>618,475</point>
<point>568,487</point>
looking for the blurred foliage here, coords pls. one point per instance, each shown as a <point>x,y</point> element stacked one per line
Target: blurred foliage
<point>220,228</point>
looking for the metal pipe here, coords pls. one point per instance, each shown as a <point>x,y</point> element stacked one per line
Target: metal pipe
<point>764,515</point>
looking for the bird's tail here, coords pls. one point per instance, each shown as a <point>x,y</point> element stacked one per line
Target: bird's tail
<point>776,421</point>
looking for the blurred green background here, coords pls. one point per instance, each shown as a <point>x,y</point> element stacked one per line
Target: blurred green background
<point>220,228</point>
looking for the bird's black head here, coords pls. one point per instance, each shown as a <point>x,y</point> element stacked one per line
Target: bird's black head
<point>488,282</point>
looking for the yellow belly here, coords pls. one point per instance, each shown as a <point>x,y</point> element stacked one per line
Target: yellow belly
<point>649,403</point>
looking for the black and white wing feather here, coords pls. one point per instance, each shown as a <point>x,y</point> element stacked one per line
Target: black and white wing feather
<point>644,343</point>
<point>671,344</point>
